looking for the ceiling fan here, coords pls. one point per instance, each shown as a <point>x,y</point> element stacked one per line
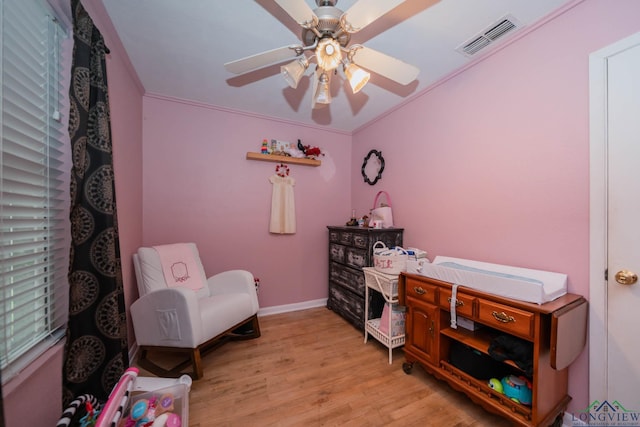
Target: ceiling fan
<point>326,33</point>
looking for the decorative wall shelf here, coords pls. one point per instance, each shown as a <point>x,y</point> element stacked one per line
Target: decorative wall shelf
<point>282,159</point>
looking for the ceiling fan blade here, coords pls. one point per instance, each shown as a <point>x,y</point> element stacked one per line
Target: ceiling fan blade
<point>298,10</point>
<point>364,12</point>
<point>263,59</point>
<point>385,65</point>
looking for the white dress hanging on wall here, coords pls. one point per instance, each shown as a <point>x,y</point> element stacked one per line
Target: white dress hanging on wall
<point>283,207</point>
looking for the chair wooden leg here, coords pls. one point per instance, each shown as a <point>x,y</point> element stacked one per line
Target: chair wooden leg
<point>249,329</point>
<point>196,360</point>
<point>256,327</point>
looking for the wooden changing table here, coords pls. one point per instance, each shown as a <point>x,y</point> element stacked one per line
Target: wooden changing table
<point>557,330</point>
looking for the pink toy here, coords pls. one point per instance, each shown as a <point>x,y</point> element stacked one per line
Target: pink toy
<point>117,399</point>
<point>173,421</point>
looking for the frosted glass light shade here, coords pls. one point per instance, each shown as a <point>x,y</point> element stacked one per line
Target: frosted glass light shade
<point>328,54</point>
<point>357,77</point>
<point>293,71</point>
<point>323,93</point>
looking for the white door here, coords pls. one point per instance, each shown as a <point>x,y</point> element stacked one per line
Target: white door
<point>615,228</point>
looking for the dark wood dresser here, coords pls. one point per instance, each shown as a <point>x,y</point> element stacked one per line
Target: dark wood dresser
<point>350,249</point>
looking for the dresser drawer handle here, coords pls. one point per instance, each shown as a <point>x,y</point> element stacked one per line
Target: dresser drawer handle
<point>419,290</point>
<point>503,317</point>
<point>458,303</point>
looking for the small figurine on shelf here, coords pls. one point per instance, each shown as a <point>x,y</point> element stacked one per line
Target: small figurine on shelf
<point>353,221</point>
<point>279,147</point>
<point>309,151</point>
<point>293,151</point>
<point>265,147</point>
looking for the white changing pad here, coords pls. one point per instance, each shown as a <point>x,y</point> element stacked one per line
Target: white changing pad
<point>511,282</point>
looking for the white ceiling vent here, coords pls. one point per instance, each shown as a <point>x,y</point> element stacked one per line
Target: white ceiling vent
<point>489,35</point>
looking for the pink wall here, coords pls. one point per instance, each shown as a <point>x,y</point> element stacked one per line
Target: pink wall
<point>198,186</point>
<point>493,163</point>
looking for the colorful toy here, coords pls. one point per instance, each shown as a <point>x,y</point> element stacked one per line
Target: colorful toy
<point>112,409</point>
<point>517,388</point>
<point>265,147</point>
<point>91,418</point>
<point>495,384</point>
<point>309,151</point>
<point>165,403</point>
<point>312,151</point>
<point>167,420</point>
<point>154,412</point>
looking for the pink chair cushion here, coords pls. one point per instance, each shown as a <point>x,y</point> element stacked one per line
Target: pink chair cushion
<point>180,266</point>
<point>153,276</point>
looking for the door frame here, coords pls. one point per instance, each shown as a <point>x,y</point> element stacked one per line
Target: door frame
<point>598,143</point>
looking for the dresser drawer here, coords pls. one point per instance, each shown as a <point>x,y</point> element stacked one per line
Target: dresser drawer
<point>505,318</point>
<point>337,253</point>
<point>347,277</point>
<point>360,240</point>
<point>356,257</point>
<point>344,237</point>
<point>421,291</point>
<point>334,236</point>
<point>347,304</point>
<point>464,303</point>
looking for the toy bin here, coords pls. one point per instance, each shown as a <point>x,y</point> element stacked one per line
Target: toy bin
<point>140,400</point>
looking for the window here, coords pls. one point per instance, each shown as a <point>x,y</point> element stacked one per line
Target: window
<point>34,184</point>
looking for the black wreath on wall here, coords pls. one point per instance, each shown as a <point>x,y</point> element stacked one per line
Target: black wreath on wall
<point>372,172</point>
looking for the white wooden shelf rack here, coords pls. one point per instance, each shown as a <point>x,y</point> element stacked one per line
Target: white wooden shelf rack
<point>387,286</point>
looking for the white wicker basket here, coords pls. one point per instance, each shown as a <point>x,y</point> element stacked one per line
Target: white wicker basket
<point>389,260</point>
<point>386,284</point>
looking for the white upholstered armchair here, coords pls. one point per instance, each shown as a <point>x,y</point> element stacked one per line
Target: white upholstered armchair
<point>180,310</point>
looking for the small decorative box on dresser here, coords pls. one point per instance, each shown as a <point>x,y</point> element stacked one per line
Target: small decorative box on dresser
<point>350,249</point>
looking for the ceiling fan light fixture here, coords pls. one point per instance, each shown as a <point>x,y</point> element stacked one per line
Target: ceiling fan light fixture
<point>323,93</point>
<point>293,71</point>
<point>326,38</point>
<point>328,54</point>
<point>357,77</point>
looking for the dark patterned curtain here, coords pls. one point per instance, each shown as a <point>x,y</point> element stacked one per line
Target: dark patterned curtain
<point>1,405</point>
<point>96,352</point>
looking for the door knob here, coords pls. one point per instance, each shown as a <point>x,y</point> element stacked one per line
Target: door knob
<point>626,277</point>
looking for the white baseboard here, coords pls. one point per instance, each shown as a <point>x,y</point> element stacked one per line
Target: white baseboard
<point>267,311</point>
<point>133,351</point>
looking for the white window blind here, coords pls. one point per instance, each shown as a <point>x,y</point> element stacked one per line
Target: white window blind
<point>35,191</point>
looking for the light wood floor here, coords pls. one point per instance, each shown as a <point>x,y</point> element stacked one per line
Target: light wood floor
<point>312,368</point>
